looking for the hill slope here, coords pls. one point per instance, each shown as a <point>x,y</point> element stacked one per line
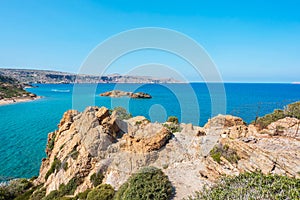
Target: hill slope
<point>47,76</point>
<point>11,90</point>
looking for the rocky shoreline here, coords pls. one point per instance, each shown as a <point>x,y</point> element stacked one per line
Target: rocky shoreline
<point>101,153</point>
<point>191,156</point>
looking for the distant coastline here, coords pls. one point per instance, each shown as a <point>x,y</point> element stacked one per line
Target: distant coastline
<point>30,76</point>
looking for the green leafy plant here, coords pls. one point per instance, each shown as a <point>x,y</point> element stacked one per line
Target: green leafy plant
<point>64,165</point>
<point>74,153</point>
<point>96,178</point>
<point>64,190</point>
<point>251,186</point>
<point>291,110</point>
<point>103,192</point>
<point>51,143</point>
<point>173,128</point>
<point>82,195</point>
<point>173,119</point>
<point>71,186</point>
<point>38,194</point>
<point>14,189</point>
<point>224,151</point>
<point>148,183</point>
<point>138,123</point>
<point>56,165</point>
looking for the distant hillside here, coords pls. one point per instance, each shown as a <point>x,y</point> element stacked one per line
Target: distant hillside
<point>45,76</point>
<point>10,87</point>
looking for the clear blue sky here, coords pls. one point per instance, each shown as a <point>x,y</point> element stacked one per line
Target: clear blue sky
<point>250,41</point>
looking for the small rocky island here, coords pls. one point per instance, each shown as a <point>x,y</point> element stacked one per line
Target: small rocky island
<point>119,93</point>
<point>12,91</point>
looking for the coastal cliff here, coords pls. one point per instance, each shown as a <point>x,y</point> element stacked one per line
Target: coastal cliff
<point>97,143</point>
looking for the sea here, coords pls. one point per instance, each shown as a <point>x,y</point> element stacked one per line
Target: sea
<point>24,126</point>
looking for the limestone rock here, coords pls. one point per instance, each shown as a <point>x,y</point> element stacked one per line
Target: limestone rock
<point>96,141</point>
<point>151,137</point>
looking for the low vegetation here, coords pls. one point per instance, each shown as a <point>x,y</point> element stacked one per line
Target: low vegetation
<point>291,110</point>
<point>252,186</point>
<point>148,183</point>
<point>224,151</point>
<point>56,165</point>
<point>122,113</point>
<point>64,190</point>
<point>38,194</point>
<point>103,192</point>
<point>173,119</point>
<point>14,188</point>
<point>51,143</point>
<point>10,87</point>
<point>97,178</point>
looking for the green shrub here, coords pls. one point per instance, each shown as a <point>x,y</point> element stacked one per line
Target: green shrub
<point>27,195</point>
<point>74,153</point>
<point>138,123</point>
<point>64,190</point>
<point>173,119</point>
<point>291,110</point>
<point>173,128</point>
<point>5,194</point>
<point>51,143</point>
<point>103,192</point>
<point>263,122</point>
<point>122,113</point>
<point>224,151</point>
<point>70,188</point>
<point>64,165</point>
<point>14,189</point>
<point>38,194</point>
<point>53,195</point>
<point>252,186</point>
<point>148,183</point>
<point>56,165</point>
<point>96,178</point>
<point>82,195</point>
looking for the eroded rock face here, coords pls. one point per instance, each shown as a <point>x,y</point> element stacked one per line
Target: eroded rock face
<point>96,141</point>
<point>149,138</point>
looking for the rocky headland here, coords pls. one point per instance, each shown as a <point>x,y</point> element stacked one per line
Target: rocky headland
<point>104,154</point>
<point>119,93</point>
<point>97,141</point>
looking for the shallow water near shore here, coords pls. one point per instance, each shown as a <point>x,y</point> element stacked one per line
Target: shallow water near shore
<point>24,126</point>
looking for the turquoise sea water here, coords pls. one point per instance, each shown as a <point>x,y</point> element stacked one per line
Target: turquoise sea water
<point>24,126</point>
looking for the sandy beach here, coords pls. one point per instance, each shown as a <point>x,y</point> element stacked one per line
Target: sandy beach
<point>7,101</point>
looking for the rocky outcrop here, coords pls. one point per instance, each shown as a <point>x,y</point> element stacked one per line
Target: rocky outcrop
<point>97,141</point>
<point>118,93</point>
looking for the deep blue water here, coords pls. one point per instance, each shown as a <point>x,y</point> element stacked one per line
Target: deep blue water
<point>24,126</point>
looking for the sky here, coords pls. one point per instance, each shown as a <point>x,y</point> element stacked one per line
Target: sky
<point>249,41</point>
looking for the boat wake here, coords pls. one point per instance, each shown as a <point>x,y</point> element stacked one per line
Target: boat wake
<point>55,90</point>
